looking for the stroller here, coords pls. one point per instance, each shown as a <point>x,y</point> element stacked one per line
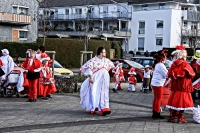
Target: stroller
<point>9,85</point>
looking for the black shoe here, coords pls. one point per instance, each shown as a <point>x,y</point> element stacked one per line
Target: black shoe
<point>29,100</point>
<point>115,91</point>
<point>48,96</point>
<point>133,91</point>
<point>26,96</point>
<point>45,99</point>
<point>157,115</point>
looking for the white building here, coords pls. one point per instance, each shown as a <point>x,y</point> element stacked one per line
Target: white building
<point>147,24</point>
<point>158,24</point>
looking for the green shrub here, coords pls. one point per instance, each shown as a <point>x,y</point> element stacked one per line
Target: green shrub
<point>130,52</point>
<point>118,49</point>
<point>138,53</point>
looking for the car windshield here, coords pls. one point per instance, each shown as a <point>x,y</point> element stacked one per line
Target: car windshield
<point>134,64</point>
<point>168,63</point>
<point>57,65</point>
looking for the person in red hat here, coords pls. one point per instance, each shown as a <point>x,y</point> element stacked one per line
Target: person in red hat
<point>132,80</point>
<point>180,99</point>
<point>31,64</point>
<point>157,82</point>
<point>41,55</point>
<point>178,49</point>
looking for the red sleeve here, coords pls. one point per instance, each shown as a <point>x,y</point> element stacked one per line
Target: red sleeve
<point>1,64</point>
<point>24,65</point>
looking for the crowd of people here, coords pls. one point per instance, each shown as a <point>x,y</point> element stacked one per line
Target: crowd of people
<point>37,76</point>
<point>180,76</point>
<point>94,92</point>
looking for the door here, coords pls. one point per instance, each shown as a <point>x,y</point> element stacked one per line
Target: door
<point>15,35</point>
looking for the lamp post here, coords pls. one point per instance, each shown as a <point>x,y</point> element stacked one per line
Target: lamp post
<point>182,30</point>
<point>126,39</point>
<point>87,28</point>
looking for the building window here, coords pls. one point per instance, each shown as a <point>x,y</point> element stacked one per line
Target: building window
<point>118,8</point>
<point>20,10</point>
<point>105,9</point>
<point>144,7</point>
<point>162,6</point>
<point>159,23</point>
<point>67,11</point>
<point>159,41</point>
<point>141,44</point>
<point>23,10</point>
<point>14,10</point>
<point>23,34</point>
<point>79,11</point>
<point>185,24</point>
<point>141,28</point>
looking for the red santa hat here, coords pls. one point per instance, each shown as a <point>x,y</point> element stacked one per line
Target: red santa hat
<point>178,49</point>
<point>132,71</point>
<point>45,57</point>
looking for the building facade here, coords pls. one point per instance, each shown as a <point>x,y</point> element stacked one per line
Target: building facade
<point>137,25</point>
<point>18,20</point>
<point>163,24</point>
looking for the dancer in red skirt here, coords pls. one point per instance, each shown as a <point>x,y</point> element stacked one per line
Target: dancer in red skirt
<point>180,99</point>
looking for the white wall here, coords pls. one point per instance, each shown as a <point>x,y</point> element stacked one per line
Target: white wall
<point>150,18</point>
<point>175,35</point>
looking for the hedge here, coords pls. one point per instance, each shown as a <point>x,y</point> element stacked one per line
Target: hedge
<point>69,49</point>
<point>17,49</point>
<point>118,49</point>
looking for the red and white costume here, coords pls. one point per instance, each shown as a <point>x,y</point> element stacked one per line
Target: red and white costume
<point>46,81</point>
<point>118,76</point>
<point>181,74</point>
<point>30,65</point>
<point>44,56</point>
<point>96,95</point>
<point>132,80</point>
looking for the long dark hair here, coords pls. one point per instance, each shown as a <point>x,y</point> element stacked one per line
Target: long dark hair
<point>159,57</point>
<point>99,50</point>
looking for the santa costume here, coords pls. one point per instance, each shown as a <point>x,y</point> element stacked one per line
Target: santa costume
<point>30,65</point>
<point>180,99</point>
<point>132,80</point>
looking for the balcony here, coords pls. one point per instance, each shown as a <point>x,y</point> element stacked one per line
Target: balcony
<point>191,33</point>
<point>92,16</point>
<point>191,15</point>
<point>16,19</point>
<point>123,32</point>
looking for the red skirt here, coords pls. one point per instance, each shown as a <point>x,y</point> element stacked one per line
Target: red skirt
<point>180,101</point>
<point>165,97</point>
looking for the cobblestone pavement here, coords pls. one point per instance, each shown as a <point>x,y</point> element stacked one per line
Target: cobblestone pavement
<point>131,113</point>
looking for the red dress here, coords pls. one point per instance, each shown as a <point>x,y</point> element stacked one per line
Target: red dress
<point>46,82</point>
<point>181,74</point>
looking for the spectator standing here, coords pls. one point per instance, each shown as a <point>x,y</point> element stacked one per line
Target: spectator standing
<point>146,80</point>
<point>157,82</point>
<point>180,99</point>
<point>94,90</point>
<point>146,53</point>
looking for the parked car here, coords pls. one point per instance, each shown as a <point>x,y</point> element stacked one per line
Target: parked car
<point>127,65</point>
<point>60,70</point>
<point>149,61</point>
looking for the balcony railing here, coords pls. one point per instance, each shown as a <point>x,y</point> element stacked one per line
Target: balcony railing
<point>15,18</point>
<point>93,16</point>
<point>191,15</point>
